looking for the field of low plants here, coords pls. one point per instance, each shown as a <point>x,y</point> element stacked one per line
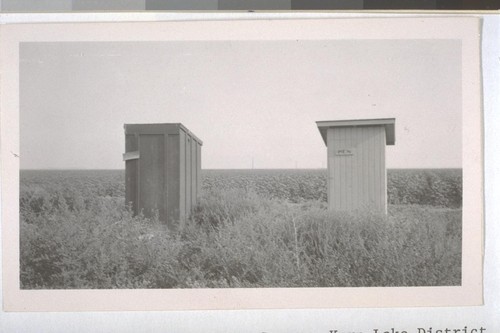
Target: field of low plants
<point>434,187</point>
<point>252,228</point>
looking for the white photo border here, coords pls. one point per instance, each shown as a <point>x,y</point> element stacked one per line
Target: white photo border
<point>467,29</point>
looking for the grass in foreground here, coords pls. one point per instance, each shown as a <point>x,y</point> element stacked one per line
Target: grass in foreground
<point>235,239</point>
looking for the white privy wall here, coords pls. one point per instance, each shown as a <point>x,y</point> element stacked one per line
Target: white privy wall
<point>357,176</point>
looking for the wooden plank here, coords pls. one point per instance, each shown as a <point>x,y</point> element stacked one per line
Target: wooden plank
<point>191,134</point>
<point>370,166</point>
<point>194,178</point>
<point>350,171</point>
<point>376,168</point>
<point>344,169</point>
<point>366,148</point>
<point>388,123</point>
<point>173,180</point>
<point>336,172</point>
<point>182,176</point>
<point>383,175</point>
<point>165,180</point>
<point>380,192</point>
<point>151,175</point>
<point>188,176</point>
<point>153,129</point>
<point>132,155</point>
<point>131,174</point>
<point>332,167</point>
<point>378,149</point>
<point>198,171</point>
<point>357,122</point>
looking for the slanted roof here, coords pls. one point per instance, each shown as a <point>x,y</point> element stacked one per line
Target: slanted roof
<point>389,123</point>
<point>159,128</point>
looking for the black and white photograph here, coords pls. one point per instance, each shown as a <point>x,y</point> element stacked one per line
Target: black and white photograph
<point>243,163</point>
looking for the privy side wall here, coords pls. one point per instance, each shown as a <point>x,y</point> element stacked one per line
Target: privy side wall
<point>356,168</point>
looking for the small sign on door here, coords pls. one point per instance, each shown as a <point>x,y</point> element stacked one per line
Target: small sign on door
<point>344,152</point>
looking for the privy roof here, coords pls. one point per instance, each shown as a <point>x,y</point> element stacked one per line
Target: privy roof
<point>159,128</point>
<point>389,123</point>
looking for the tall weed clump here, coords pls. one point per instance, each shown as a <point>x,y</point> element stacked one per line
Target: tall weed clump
<point>279,244</point>
<point>102,246</point>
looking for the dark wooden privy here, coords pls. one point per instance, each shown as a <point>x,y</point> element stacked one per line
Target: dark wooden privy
<point>162,170</point>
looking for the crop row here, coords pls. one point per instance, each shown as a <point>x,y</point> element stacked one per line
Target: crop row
<point>420,186</point>
<point>40,189</point>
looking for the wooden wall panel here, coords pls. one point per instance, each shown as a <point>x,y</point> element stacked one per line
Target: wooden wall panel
<point>182,175</point>
<point>356,168</point>
<point>194,169</point>
<point>131,173</point>
<point>356,191</point>
<point>370,181</point>
<point>198,171</point>
<point>383,173</point>
<point>172,178</point>
<point>364,171</point>
<point>164,174</point>
<point>151,174</point>
<point>188,174</point>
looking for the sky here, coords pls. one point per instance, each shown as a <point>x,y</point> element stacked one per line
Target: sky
<point>249,101</point>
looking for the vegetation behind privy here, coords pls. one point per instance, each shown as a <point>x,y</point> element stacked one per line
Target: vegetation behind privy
<point>252,228</point>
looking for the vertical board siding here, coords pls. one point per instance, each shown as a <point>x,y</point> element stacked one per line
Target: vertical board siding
<point>349,169</point>
<point>370,181</point>
<point>364,170</point>
<point>131,171</point>
<point>188,174</point>
<point>357,181</point>
<point>381,169</point>
<point>151,174</point>
<point>172,181</point>
<point>356,193</point>
<point>194,168</point>
<point>166,176</point>
<point>198,171</point>
<point>182,175</point>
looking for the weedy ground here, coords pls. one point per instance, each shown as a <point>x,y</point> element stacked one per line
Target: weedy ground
<point>250,229</point>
